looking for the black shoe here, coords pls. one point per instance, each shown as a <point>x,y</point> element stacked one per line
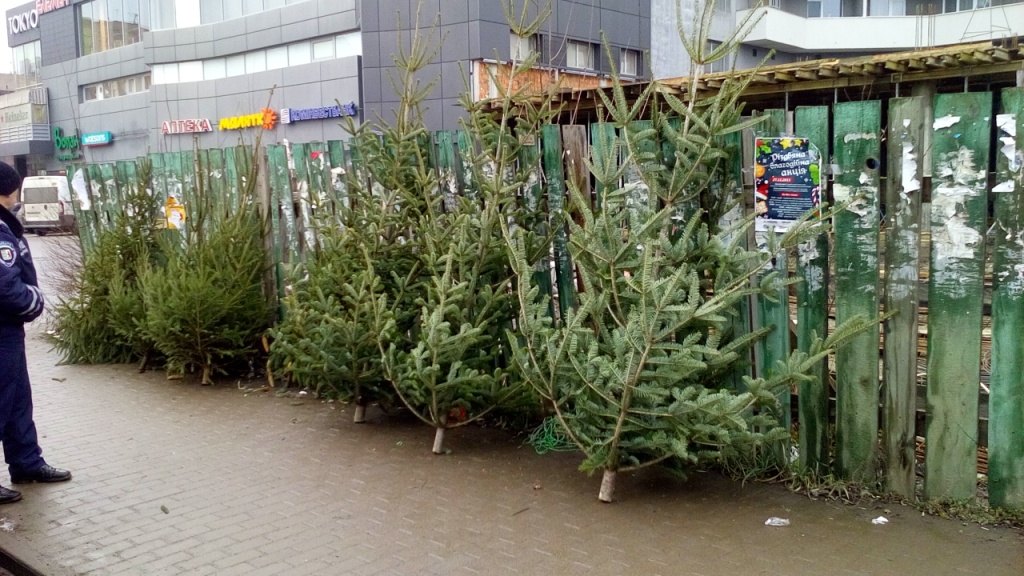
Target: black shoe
<point>7,495</point>
<point>45,473</point>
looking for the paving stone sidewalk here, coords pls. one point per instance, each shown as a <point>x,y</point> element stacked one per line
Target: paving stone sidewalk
<point>175,478</point>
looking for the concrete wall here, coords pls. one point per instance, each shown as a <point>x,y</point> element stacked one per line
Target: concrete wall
<point>478,29</point>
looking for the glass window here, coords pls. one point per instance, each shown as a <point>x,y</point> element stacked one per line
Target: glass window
<point>277,57</point>
<point>579,55</point>
<point>814,9</point>
<point>211,11</point>
<point>115,23</point>
<point>235,65</point>
<point>187,14</point>
<point>91,93</point>
<point>232,9</point>
<point>630,63</point>
<point>255,62</point>
<point>190,71</point>
<point>100,40</point>
<point>108,24</point>
<point>252,6</point>
<point>299,53</point>
<point>163,15</point>
<point>350,44</point>
<point>323,50</point>
<point>214,69</point>
<point>521,47</point>
<point>132,22</point>
<point>145,20</point>
<point>85,28</point>
<point>170,73</point>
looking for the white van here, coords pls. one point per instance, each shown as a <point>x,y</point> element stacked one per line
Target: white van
<point>46,204</point>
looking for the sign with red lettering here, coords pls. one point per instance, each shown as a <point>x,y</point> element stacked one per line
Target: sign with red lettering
<point>186,126</point>
<point>44,6</point>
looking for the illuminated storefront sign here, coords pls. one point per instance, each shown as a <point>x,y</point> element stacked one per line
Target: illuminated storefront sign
<point>22,22</point>
<point>289,115</point>
<point>97,138</point>
<point>265,118</point>
<point>68,147</point>
<point>44,6</point>
<point>186,126</point>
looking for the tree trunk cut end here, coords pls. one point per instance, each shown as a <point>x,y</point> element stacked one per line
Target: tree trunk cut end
<point>439,441</point>
<point>607,486</point>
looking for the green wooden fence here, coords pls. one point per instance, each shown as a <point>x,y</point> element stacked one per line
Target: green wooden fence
<point>886,392</point>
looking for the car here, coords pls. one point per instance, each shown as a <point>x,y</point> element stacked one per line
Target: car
<point>46,204</point>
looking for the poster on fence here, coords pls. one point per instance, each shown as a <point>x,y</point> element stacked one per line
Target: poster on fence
<point>787,181</point>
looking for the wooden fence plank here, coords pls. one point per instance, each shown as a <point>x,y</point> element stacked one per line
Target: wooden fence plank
<point>465,164</point>
<point>960,155</point>
<point>533,199</point>
<point>905,146</point>
<point>158,175</point>
<point>638,201</point>
<point>1006,401</point>
<point>604,157</point>
<point>338,183</point>
<point>111,196</point>
<point>857,150</point>
<point>298,161</point>
<point>448,179</point>
<point>577,151</point>
<point>216,186</point>
<point>775,346</point>
<point>552,150</point>
<point>733,187</point>
<point>280,185</point>
<point>811,122</point>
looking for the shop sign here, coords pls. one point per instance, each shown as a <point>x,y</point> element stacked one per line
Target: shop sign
<point>787,181</point>
<point>68,147</point>
<point>265,118</point>
<point>44,6</point>
<point>186,126</point>
<point>22,22</point>
<point>289,115</point>
<point>97,138</point>
<point>22,115</point>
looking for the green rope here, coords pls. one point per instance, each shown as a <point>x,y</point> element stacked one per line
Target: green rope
<point>549,437</point>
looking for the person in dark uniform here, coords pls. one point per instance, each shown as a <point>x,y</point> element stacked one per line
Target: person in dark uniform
<point>20,302</point>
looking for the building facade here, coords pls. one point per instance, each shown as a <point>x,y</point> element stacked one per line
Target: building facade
<point>106,80</point>
<point>813,29</point>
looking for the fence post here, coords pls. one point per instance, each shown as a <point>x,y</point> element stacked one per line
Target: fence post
<point>905,147</point>
<point>857,151</point>
<point>553,172</point>
<point>775,346</point>
<point>812,309</point>
<point>533,198</point>
<point>960,155</point>
<point>1006,401</point>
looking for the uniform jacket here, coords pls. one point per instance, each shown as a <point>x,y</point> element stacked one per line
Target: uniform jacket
<point>20,298</point>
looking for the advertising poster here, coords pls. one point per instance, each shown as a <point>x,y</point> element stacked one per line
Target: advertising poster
<point>787,181</point>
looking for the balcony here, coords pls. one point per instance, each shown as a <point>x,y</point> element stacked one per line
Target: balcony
<point>25,122</point>
<point>787,29</point>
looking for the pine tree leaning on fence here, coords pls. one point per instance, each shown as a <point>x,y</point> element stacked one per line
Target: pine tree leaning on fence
<point>99,322</point>
<point>453,371</point>
<point>205,308</point>
<point>636,372</point>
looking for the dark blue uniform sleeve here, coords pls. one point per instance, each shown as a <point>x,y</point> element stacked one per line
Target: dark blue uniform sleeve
<point>18,299</point>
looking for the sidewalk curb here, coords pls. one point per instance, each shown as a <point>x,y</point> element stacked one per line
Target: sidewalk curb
<point>19,560</point>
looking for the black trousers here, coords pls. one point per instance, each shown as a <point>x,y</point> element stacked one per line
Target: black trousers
<point>20,441</point>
